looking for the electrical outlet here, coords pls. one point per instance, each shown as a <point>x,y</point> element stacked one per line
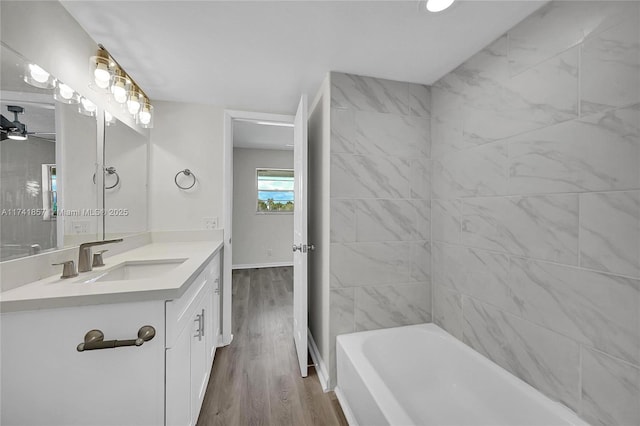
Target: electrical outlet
<point>210,223</point>
<point>269,252</point>
<point>80,227</point>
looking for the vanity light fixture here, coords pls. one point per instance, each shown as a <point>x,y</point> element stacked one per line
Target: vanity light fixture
<point>87,107</point>
<point>145,116</point>
<point>133,104</point>
<point>109,119</point>
<point>438,5</point>
<point>65,94</point>
<point>38,77</point>
<point>119,86</point>
<point>110,76</point>
<point>101,67</point>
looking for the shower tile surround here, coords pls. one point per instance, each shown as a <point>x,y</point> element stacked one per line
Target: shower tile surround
<point>380,205</point>
<point>536,205</point>
<point>516,178</point>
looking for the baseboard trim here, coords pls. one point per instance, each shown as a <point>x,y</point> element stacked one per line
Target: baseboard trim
<point>348,414</point>
<point>261,265</point>
<point>321,368</point>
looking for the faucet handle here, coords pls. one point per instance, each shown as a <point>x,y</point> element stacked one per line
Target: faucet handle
<point>68,269</point>
<point>97,258</point>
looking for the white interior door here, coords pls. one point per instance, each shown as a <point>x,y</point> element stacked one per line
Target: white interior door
<point>300,247</point>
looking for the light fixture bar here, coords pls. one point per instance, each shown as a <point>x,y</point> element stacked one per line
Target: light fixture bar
<point>133,82</point>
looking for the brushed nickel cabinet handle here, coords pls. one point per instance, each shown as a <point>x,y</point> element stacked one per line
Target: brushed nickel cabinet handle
<point>94,339</point>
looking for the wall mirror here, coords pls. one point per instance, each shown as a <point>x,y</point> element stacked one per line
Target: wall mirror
<point>47,157</point>
<point>125,179</point>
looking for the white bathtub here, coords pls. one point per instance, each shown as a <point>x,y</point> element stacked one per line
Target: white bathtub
<point>421,375</point>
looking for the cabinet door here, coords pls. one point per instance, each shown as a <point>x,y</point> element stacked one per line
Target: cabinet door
<point>46,381</point>
<point>178,386</point>
<point>200,356</point>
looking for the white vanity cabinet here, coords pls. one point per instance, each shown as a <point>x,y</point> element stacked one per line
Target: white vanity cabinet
<point>191,341</point>
<point>46,380</point>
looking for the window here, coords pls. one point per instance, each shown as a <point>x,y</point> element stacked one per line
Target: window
<point>275,190</point>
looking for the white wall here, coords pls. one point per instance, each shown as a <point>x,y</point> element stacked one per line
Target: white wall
<point>258,238</point>
<point>185,136</point>
<point>319,226</point>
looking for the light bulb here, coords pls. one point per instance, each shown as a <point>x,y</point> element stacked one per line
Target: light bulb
<point>438,5</point>
<point>101,76</point>
<point>65,91</point>
<point>133,104</point>
<point>145,116</point>
<point>108,117</point>
<point>38,74</point>
<point>88,105</point>
<point>119,93</point>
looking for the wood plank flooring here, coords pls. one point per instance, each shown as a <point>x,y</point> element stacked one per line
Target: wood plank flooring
<point>255,380</point>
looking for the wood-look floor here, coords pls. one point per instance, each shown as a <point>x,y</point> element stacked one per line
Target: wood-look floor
<point>256,380</point>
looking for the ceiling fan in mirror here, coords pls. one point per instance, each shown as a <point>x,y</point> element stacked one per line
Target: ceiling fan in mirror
<point>17,130</point>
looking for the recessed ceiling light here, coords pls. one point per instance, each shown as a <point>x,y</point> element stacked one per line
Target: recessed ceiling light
<point>438,5</point>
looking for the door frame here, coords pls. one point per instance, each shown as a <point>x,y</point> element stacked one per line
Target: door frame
<point>227,205</point>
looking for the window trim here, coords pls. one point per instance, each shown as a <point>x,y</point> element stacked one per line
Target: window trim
<point>259,212</point>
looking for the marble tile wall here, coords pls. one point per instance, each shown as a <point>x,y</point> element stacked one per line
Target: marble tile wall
<point>536,205</point>
<point>380,209</point>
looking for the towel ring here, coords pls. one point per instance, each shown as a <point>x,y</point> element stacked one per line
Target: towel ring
<point>186,172</point>
<point>112,171</point>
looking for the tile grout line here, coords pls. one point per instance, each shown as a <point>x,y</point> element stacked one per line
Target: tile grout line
<point>505,253</point>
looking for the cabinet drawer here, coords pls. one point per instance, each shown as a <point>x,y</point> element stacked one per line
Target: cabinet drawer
<point>180,312</point>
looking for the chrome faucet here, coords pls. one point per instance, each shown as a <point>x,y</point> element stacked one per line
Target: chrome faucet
<point>84,254</point>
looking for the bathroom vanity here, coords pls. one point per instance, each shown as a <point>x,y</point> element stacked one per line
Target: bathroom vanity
<point>55,369</point>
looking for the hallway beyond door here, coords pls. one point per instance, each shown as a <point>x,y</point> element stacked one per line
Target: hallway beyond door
<point>256,380</point>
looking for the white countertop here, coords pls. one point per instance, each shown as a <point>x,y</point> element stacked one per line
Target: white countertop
<point>54,292</point>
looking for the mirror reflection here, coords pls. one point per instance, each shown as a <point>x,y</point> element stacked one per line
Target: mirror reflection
<point>47,148</point>
<point>125,179</point>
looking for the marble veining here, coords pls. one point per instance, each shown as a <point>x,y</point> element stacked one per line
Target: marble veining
<point>420,178</point>
<point>541,96</point>
<point>447,310</point>
<point>610,232</point>
<point>560,25</point>
<point>392,306</point>
<point>359,176</point>
<point>420,100</point>
<point>542,358</point>
<point>610,390</point>
<point>446,216</point>
<point>371,263</point>
<point>343,130</point>
<point>391,134</point>
<point>474,172</point>
<point>421,261</point>
<point>369,94</point>
<point>343,221</point>
<point>596,153</point>
<point>614,53</point>
<point>342,320</point>
<point>386,220</point>
<point>477,273</point>
<point>543,227</point>
<point>590,307</point>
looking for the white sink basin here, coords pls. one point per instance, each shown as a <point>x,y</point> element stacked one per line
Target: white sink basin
<point>136,270</point>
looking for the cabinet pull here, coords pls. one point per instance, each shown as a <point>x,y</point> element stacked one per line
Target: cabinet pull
<point>200,326</point>
<point>94,339</point>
